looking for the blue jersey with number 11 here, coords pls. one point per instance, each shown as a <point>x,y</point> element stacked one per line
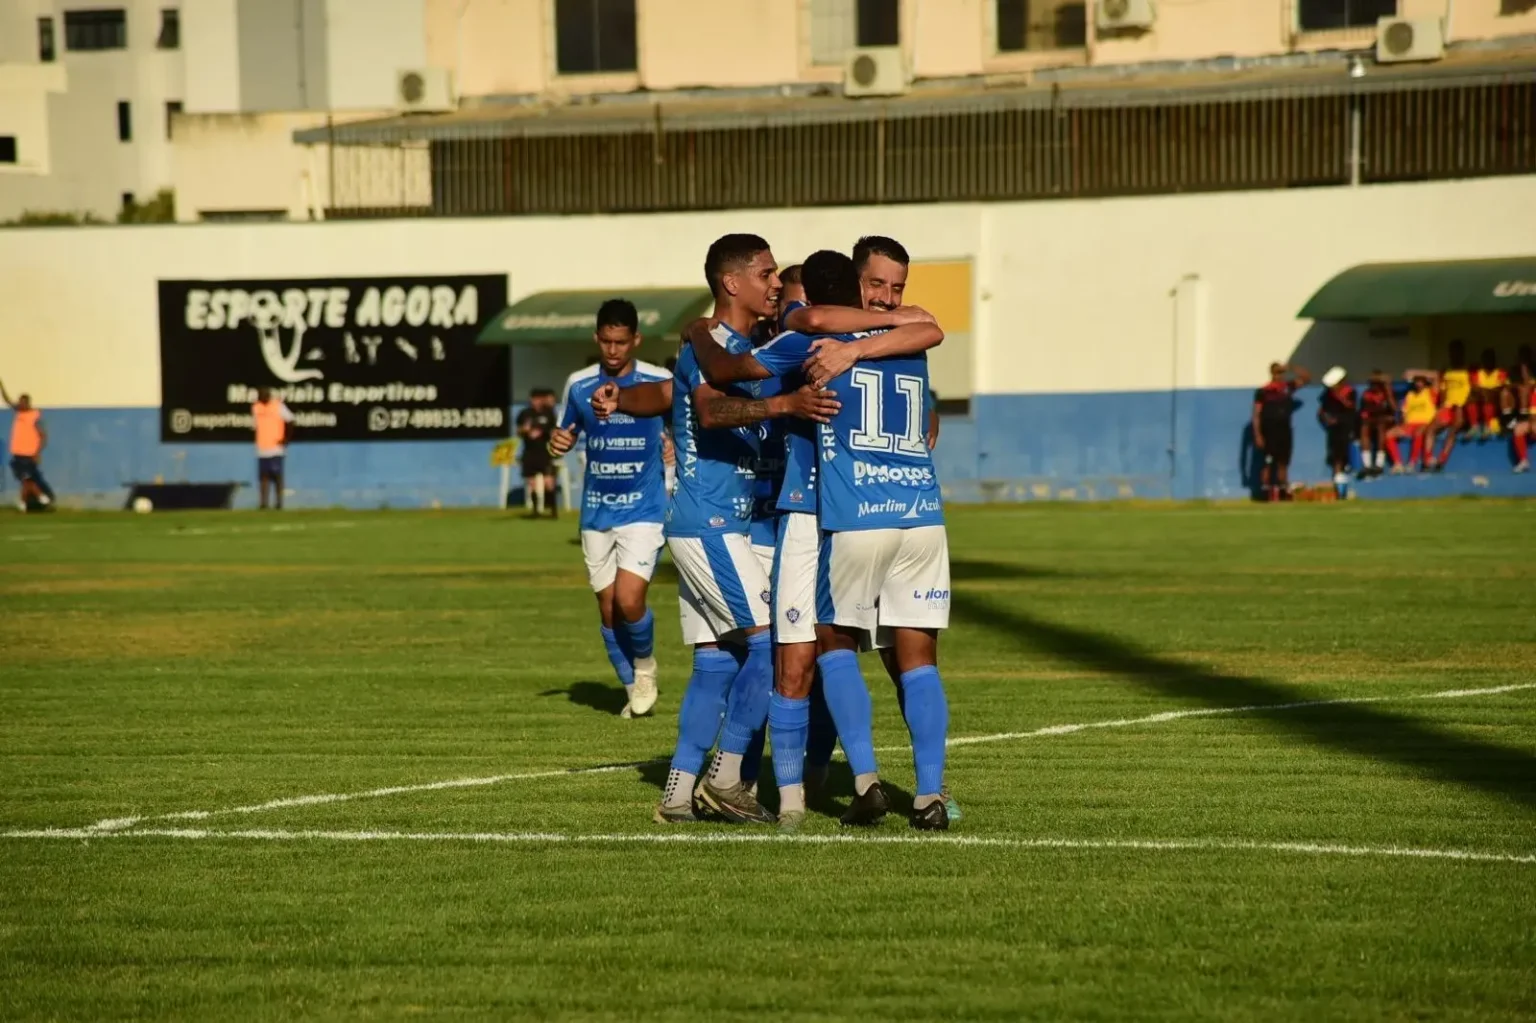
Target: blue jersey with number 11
<point>875,468</point>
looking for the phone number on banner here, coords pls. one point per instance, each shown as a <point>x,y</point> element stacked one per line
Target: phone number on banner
<point>384,419</point>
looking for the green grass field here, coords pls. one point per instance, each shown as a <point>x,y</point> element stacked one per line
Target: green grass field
<point>1308,788</point>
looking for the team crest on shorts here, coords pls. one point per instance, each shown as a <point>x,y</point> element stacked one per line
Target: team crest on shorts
<point>767,597</point>
<point>793,614</point>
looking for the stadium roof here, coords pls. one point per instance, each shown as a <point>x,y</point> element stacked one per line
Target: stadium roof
<point>643,113</point>
<point>566,317</point>
<point>1392,290</point>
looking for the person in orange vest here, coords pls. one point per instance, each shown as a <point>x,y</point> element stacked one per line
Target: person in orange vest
<point>28,438</point>
<point>273,426</point>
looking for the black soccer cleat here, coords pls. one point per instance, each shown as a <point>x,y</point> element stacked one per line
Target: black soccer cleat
<point>866,810</point>
<point>933,817</point>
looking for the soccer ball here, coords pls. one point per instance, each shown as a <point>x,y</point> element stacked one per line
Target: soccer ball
<point>143,505</point>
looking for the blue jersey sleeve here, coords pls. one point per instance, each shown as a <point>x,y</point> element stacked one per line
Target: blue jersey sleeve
<point>785,353</point>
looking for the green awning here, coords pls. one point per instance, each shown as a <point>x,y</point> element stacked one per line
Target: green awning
<point>568,317</point>
<point>1375,291</point>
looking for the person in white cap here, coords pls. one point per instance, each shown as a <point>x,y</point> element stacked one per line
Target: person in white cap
<point>1340,416</point>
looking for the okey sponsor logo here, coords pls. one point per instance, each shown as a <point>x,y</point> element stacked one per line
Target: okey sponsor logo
<point>615,468</point>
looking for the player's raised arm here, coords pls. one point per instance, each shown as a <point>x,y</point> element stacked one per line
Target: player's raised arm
<point>643,401</point>
<point>831,358</point>
<point>723,411</point>
<point>719,366</point>
<point>832,319</point>
<point>6,397</point>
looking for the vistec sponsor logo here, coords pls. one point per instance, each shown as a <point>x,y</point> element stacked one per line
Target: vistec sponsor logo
<point>901,475</point>
<point>625,443</point>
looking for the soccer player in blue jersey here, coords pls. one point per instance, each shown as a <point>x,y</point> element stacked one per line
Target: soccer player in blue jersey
<point>721,582</point>
<point>795,567</point>
<point>884,568</point>
<point>623,501</point>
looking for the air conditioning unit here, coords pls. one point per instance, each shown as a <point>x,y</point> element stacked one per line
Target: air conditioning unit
<point>1110,15</point>
<point>1404,39</point>
<point>419,90</point>
<point>875,71</point>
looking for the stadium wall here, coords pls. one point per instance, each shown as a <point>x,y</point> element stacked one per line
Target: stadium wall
<point>1115,343</point>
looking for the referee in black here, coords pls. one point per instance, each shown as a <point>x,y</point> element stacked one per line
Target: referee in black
<point>535,425</point>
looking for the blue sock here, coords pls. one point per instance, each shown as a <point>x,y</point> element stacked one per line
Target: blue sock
<point>752,760</point>
<point>747,709</point>
<point>928,721</point>
<point>790,720</point>
<point>822,734</point>
<point>698,719</point>
<point>616,657</point>
<point>848,701</point>
<point>641,635</point>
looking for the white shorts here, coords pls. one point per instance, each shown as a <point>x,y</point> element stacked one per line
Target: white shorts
<point>722,585</point>
<point>877,579</point>
<point>634,548</point>
<point>794,578</point>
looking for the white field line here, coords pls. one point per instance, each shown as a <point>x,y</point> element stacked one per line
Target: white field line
<point>740,838</point>
<point>276,527</point>
<point>112,824</point>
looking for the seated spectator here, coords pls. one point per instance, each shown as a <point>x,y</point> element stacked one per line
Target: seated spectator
<point>1454,386</point>
<point>1378,415</point>
<point>1524,429</point>
<point>1419,414</point>
<point>1488,383</point>
<point>1522,376</point>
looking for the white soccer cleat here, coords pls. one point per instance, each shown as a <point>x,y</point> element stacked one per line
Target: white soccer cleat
<point>642,696</point>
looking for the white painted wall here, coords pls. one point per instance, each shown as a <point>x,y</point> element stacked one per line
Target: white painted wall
<point>1072,296</point>
<point>367,43</point>
<point>211,39</point>
<point>88,168</point>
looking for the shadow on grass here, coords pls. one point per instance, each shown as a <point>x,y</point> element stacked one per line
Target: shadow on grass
<point>1358,729</point>
<point>609,698</point>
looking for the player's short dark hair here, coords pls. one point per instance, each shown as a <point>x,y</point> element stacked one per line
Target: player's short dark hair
<point>727,253</point>
<point>618,312</point>
<point>790,274</point>
<point>541,392</point>
<point>830,278</point>
<point>878,245</point>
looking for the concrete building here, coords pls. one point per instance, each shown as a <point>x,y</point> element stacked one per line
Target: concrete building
<point>87,96</point>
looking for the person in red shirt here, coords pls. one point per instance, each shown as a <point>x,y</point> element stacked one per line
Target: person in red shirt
<point>1339,413</point>
<point>1378,415</point>
<point>1273,406</point>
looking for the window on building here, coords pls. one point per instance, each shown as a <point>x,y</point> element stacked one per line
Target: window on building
<point>7,148</point>
<point>1024,25</point>
<point>124,121</point>
<point>127,198</point>
<point>837,26</point>
<point>879,22</point>
<point>170,29</point>
<point>96,29</point>
<point>1321,15</point>
<point>593,36</point>
<point>172,108</point>
<point>45,45</point>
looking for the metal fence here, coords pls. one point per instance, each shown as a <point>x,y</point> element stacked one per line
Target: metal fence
<point>1060,150</point>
